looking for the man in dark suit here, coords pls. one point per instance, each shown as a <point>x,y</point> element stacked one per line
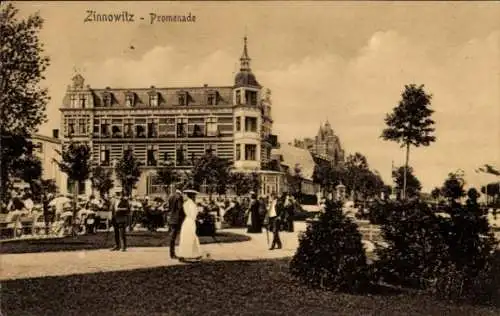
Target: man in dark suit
<point>120,211</point>
<point>275,215</point>
<point>175,205</point>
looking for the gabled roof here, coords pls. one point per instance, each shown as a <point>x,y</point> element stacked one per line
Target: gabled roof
<point>291,156</point>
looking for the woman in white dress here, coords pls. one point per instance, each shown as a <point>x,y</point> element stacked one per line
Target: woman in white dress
<point>189,244</point>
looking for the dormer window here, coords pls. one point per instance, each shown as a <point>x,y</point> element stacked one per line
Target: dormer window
<point>153,99</point>
<point>212,98</point>
<point>183,98</point>
<point>107,99</point>
<point>129,99</point>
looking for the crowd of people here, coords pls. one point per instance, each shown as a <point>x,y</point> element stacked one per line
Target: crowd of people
<point>186,219</point>
<point>251,211</point>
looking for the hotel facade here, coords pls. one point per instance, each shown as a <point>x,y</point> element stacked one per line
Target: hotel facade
<point>174,125</point>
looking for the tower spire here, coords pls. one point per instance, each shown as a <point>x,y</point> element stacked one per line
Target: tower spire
<point>245,60</point>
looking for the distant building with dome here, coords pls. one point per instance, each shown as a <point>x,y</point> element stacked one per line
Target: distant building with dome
<point>325,146</point>
<point>174,125</point>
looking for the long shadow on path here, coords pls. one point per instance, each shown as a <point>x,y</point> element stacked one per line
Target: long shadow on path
<point>105,241</point>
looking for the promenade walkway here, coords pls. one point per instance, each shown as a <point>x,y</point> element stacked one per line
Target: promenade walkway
<point>31,265</point>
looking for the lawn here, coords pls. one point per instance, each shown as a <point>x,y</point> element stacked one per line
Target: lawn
<point>209,288</point>
<point>104,240</point>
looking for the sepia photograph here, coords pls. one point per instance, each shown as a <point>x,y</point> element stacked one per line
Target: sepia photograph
<point>249,158</point>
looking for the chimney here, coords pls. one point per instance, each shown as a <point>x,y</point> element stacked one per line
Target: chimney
<point>55,133</point>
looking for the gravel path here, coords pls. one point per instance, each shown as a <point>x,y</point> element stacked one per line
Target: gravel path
<point>31,265</point>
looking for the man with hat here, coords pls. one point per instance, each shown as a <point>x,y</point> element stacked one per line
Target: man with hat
<point>120,211</point>
<point>175,205</point>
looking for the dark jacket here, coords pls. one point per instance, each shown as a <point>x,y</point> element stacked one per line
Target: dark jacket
<point>175,208</point>
<point>121,211</point>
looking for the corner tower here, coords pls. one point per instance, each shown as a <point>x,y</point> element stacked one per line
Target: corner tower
<point>247,115</point>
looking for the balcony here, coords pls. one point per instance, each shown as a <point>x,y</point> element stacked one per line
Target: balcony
<point>272,139</point>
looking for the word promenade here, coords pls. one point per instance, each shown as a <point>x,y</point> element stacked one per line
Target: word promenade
<point>93,16</point>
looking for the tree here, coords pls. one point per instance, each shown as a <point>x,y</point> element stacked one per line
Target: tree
<point>76,164</point>
<point>167,175</point>
<point>327,176</point>
<point>331,254</point>
<point>322,176</point>
<point>211,171</point>
<point>128,172</point>
<point>294,178</point>
<point>29,169</point>
<point>453,186</point>
<point>371,184</point>
<point>22,101</point>
<point>41,190</point>
<point>413,185</point>
<point>436,193</point>
<point>356,169</point>
<point>243,183</point>
<point>410,123</point>
<point>102,180</point>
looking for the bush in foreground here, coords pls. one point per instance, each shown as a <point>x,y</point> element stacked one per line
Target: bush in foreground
<point>416,250</point>
<point>330,254</point>
<point>472,275</point>
<point>450,254</point>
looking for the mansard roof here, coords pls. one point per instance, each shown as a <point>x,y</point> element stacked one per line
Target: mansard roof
<point>166,96</point>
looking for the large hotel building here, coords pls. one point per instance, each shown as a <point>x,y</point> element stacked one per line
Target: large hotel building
<point>175,125</point>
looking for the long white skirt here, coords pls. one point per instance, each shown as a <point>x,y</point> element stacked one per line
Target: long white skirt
<point>189,244</point>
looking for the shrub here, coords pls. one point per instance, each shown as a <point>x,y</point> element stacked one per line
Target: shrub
<point>330,254</point>
<point>452,256</point>
<point>416,251</point>
<point>471,276</point>
<point>460,286</point>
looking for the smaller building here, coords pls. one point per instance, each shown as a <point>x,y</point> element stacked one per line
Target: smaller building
<point>46,149</point>
<point>293,159</point>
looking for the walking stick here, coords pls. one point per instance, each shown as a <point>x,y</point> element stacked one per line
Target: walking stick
<point>267,234</point>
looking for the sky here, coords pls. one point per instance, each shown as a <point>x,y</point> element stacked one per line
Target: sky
<point>345,62</point>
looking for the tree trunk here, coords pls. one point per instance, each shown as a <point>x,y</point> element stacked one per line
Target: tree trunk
<point>75,205</point>
<point>406,169</point>
<point>45,214</point>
